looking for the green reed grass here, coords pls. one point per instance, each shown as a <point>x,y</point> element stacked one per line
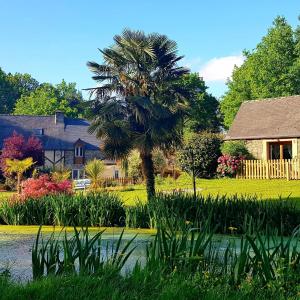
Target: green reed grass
<point>79,253</point>
<point>228,214</point>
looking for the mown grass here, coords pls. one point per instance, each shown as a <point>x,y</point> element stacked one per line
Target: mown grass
<point>263,189</point>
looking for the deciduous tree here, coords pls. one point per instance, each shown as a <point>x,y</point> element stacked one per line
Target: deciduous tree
<point>272,69</point>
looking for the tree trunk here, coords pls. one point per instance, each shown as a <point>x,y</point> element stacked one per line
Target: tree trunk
<point>19,183</point>
<point>148,172</point>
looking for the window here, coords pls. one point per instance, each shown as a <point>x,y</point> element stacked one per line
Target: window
<point>38,131</point>
<point>78,151</point>
<point>116,174</point>
<point>78,174</point>
<point>280,150</point>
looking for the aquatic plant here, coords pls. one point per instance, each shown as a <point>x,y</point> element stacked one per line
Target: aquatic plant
<point>80,253</point>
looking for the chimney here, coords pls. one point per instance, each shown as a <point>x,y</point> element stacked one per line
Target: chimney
<point>59,117</point>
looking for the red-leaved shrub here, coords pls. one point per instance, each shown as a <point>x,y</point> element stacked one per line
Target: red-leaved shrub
<point>18,147</point>
<point>38,187</point>
<point>228,165</point>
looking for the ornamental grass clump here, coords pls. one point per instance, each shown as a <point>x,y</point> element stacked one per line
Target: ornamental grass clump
<point>91,209</point>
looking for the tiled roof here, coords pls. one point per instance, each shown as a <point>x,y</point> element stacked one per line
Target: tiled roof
<point>60,136</point>
<point>267,119</point>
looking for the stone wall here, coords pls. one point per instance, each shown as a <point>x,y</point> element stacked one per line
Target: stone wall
<point>256,148</point>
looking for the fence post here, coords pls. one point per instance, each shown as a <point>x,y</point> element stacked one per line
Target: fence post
<point>287,165</point>
<point>267,170</point>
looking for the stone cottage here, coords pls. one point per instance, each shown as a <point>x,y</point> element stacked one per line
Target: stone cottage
<point>66,141</point>
<point>269,127</point>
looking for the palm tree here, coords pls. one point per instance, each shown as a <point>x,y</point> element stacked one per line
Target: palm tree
<point>19,167</point>
<point>138,103</point>
<point>94,170</point>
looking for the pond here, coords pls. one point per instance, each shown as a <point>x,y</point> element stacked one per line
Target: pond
<point>16,244</point>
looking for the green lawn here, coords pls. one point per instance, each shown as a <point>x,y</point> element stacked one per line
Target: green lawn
<point>265,189</point>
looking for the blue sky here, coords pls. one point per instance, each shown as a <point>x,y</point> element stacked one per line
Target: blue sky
<point>54,39</point>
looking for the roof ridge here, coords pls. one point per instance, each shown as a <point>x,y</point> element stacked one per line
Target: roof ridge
<point>11,115</point>
<point>270,99</point>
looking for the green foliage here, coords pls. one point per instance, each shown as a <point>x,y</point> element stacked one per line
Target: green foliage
<point>159,161</point>
<point>103,209</point>
<point>202,107</point>
<point>138,104</point>
<point>235,148</point>
<point>134,165</point>
<point>79,254</point>
<point>271,70</point>
<point>150,284</point>
<point>12,87</point>
<point>92,209</point>
<point>46,99</point>
<point>200,152</point>
<point>94,170</point>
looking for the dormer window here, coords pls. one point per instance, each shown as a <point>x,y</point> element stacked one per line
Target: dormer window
<point>38,131</point>
<point>78,151</point>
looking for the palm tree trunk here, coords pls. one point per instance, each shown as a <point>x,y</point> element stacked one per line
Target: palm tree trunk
<point>148,172</point>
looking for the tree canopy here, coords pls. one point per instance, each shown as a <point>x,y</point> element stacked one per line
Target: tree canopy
<point>272,69</point>
<point>47,99</point>
<point>22,94</point>
<point>12,86</point>
<point>202,107</point>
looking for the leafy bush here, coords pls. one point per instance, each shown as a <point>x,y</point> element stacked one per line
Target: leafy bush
<point>43,186</point>
<point>134,165</point>
<point>235,148</point>
<point>229,165</point>
<point>159,161</point>
<point>201,153</point>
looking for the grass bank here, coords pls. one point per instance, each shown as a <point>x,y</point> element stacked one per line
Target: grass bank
<point>138,286</point>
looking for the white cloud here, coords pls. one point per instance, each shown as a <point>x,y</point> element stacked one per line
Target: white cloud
<point>220,68</point>
<point>194,64</point>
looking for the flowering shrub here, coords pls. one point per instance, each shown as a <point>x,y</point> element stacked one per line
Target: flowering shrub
<point>39,187</point>
<point>228,165</point>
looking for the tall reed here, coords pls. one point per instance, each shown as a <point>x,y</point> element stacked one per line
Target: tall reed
<point>81,253</point>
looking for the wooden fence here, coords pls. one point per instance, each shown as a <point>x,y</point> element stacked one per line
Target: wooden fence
<point>270,169</point>
<point>108,181</point>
